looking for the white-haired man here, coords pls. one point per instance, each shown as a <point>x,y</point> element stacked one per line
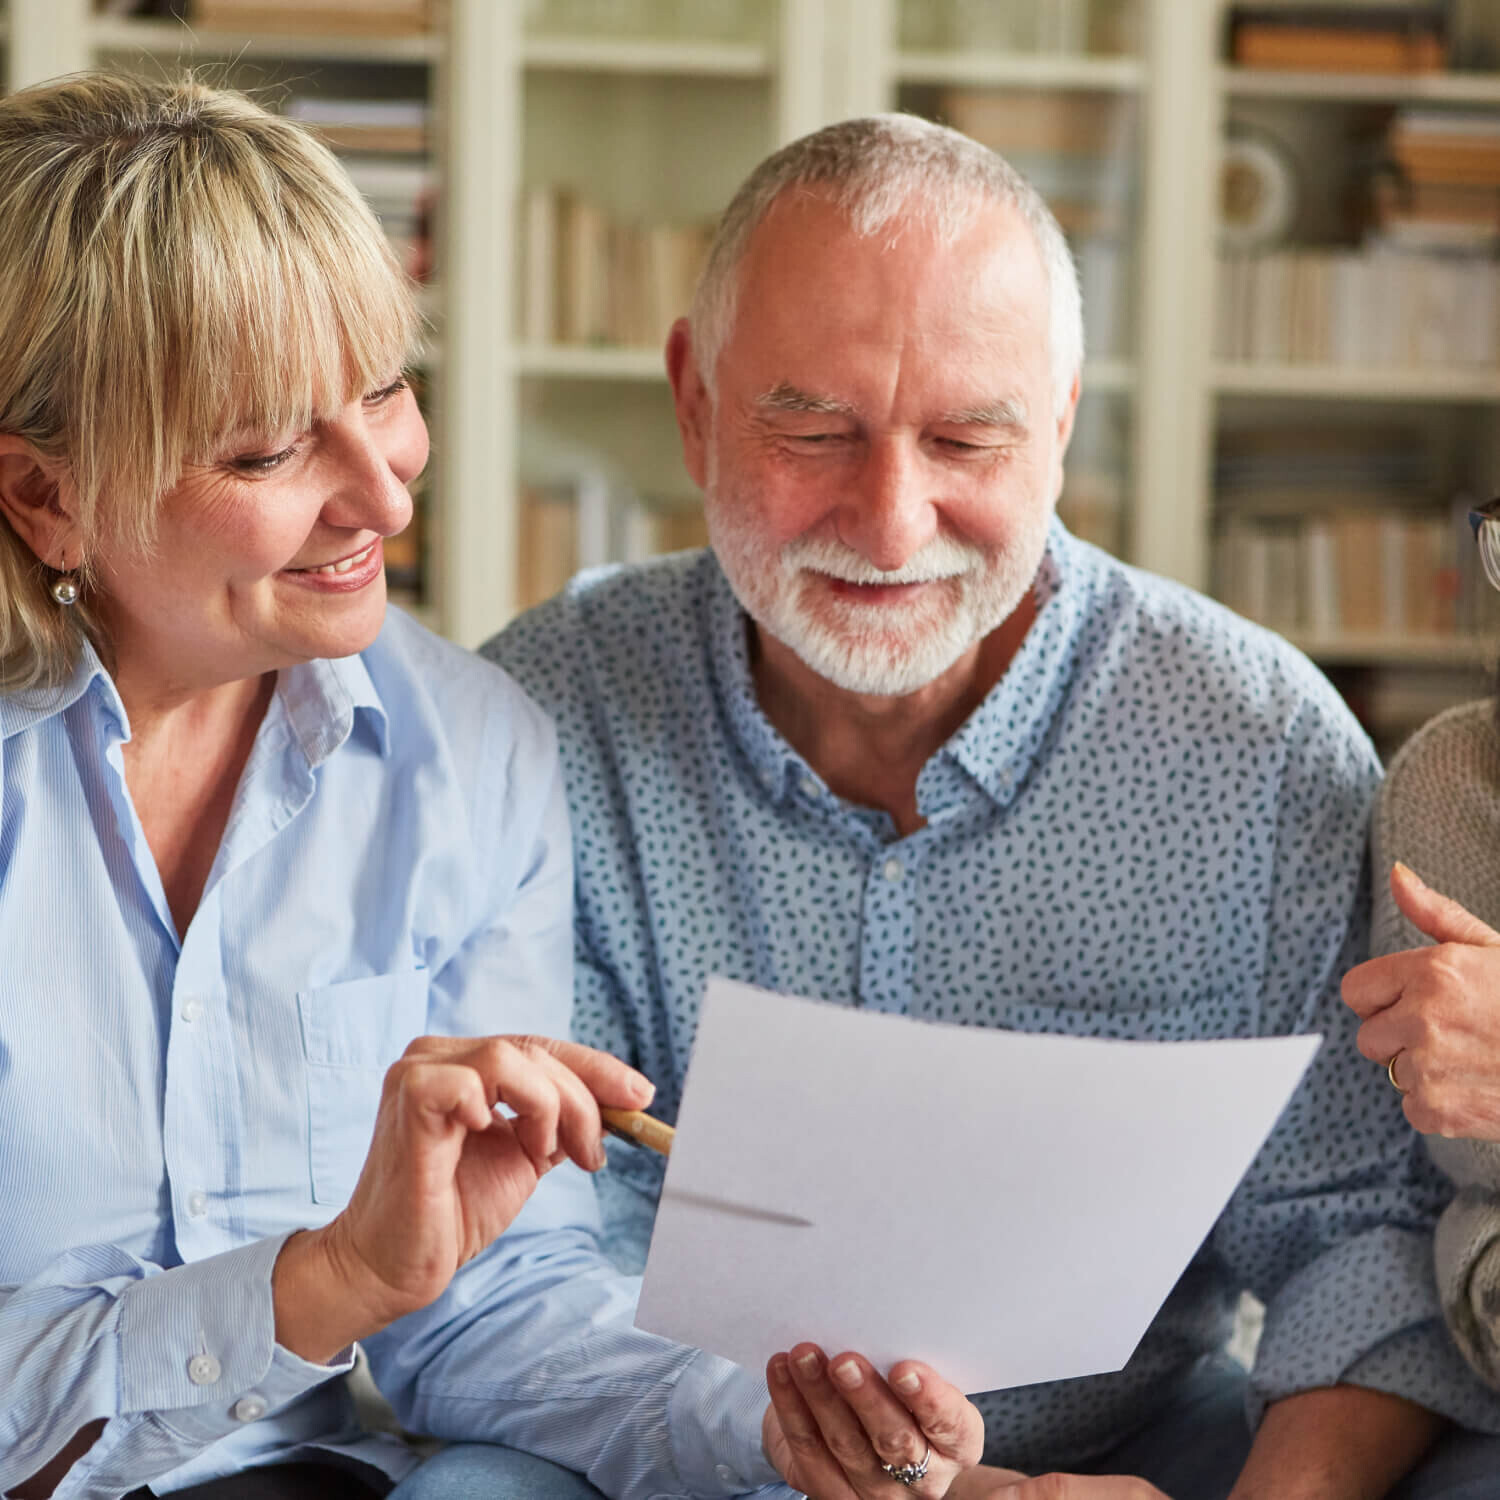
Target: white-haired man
<point>897,740</point>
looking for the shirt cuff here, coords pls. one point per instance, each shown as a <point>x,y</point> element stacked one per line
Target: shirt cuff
<point>714,1414</point>
<point>198,1345</point>
<point>1341,1308</point>
<point>1423,1366</point>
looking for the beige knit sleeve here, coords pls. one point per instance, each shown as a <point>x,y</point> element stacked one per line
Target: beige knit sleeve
<point>1439,813</point>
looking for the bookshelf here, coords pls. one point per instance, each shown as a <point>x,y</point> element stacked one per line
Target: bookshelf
<point>620,127</point>
<point>1361,310</point>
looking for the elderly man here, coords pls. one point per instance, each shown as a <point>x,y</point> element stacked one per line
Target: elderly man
<point>899,741</point>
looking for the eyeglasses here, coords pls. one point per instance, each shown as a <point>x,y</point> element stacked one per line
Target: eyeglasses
<point>1485,524</point>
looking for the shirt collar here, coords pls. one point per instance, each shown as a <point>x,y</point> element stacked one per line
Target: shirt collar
<point>994,747</point>
<point>21,710</point>
<point>322,700</point>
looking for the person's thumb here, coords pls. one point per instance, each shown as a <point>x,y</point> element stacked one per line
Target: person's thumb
<point>1442,919</point>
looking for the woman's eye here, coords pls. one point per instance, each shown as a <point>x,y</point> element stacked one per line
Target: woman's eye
<point>374,398</point>
<point>262,463</point>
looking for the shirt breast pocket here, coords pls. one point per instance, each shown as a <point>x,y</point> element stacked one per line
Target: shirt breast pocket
<point>351,1033</point>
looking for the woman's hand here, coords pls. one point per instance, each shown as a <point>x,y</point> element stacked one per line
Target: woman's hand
<point>1433,1015</point>
<point>445,1175</point>
<point>833,1424</point>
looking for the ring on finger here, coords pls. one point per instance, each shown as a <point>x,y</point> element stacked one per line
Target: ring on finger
<point>1390,1070</point>
<point>909,1474</point>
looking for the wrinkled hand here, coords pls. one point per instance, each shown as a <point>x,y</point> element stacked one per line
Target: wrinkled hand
<point>833,1423</point>
<point>1006,1484</point>
<point>1437,1012</point>
<point>445,1175</point>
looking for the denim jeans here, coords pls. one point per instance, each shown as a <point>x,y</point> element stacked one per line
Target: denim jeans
<point>480,1471</point>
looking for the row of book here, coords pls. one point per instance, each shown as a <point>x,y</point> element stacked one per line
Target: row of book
<point>1368,38</point>
<point>1380,306</point>
<point>586,276</point>
<point>561,533</point>
<point>352,18</point>
<point>1341,573</point>
<point>1440,185</point>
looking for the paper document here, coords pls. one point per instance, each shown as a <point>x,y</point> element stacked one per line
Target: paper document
<point>1009,1208</point>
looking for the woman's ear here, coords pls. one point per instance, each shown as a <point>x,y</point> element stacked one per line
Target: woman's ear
<point>38,503</point>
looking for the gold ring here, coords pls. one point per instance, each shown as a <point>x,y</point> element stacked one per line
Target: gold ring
<point>1390,1071</point>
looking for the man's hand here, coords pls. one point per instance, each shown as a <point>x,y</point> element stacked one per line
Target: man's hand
<point>833,1424</point>
<point>1006,1484</point>
<point>1436,1011</point>
<point>445,1175</point>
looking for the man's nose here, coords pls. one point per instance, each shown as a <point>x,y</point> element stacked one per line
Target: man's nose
<point>890,515</point>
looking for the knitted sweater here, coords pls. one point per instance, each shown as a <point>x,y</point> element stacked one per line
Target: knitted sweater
<point>1439,813</point>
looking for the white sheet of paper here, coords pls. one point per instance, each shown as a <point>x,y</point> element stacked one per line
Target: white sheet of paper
<point>1008,1207</point>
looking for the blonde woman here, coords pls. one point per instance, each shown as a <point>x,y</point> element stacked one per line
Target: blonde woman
<point>274,867</point>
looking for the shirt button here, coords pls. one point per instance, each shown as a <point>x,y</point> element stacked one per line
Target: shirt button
<point>204,1369</point>
<point>809,787</point>
<point>197,1204</point>
<point>726,1474</point>
<point>767,778</point>
<point>248,1409</point>
<point>191,1010</point>
<point>894,869</point>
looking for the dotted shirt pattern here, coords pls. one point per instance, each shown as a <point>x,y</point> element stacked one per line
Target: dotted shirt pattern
<point>1153,827</point>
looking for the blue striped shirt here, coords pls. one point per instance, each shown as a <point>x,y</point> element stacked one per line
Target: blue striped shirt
<point>171,1108</point>
<point>1152,828</point>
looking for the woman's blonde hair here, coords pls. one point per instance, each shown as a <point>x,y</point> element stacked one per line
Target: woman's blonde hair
<point>177,265</point>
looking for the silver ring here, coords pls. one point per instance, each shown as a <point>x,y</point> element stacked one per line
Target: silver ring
<point>909,1474</point>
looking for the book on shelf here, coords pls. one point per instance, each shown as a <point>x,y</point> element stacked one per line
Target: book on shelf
<point>1061,122</point>
<point>586,277</point>
<point>1385,305</point>
<point>566,528</point>
<point>351,18</point>
<point>1404,38</point>
<point>1342,573</point>
<point>389,127</point>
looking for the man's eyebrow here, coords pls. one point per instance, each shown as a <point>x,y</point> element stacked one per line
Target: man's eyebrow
<point>1002,413</point>
<point>784,397</point>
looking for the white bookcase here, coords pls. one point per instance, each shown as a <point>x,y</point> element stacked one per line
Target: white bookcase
<point>581,94</point>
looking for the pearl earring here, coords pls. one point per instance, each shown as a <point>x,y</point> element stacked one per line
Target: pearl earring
<point>64,588</point>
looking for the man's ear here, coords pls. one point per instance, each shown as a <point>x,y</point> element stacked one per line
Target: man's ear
<point>691,400</point>
<point>38,503</point>
<point>1065,421</point>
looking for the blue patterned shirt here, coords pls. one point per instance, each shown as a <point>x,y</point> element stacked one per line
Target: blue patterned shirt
<point>172,1106</point>
<point>1153,827</point>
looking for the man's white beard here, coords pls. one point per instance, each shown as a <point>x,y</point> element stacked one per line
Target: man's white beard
<point>885,650</point>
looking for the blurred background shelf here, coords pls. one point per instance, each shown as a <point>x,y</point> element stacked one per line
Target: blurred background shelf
<point>648,55</point>
<point>169,39</point>
<point>1012,70</point>
<point>1353,383</point>
<point>1409,650</point>
<point>1291,272</point>
<point>1393,88</point>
